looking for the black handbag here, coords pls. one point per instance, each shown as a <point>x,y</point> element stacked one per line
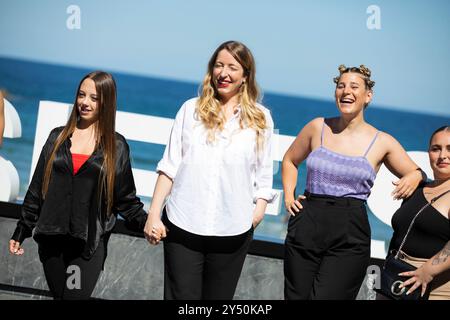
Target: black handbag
<point>393,265</point>
<point>391,281</point>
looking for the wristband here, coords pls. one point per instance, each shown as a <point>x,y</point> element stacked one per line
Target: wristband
<point>424,175</point>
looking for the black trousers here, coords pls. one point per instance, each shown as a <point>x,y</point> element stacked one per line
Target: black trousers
<point>70,276</point>
<point>327,249</point>
<point>202,267</point>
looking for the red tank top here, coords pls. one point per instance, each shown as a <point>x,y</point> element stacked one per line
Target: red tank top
<point>78,160</point>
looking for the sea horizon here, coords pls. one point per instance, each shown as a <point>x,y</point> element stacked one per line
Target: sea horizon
<point>27,82</point>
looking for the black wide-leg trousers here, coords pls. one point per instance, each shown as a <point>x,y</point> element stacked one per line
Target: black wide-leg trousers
<point>327,249</point>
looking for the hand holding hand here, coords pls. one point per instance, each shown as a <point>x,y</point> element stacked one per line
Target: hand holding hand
<point>154,230</point>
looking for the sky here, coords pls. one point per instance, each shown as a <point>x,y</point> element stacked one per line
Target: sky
<point>297,44</point>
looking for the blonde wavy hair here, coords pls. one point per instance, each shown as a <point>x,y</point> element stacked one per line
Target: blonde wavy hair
<point>209,108</point>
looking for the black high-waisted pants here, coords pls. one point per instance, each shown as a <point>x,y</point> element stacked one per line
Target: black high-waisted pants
<point>202,267</point>
<point>327,249</point>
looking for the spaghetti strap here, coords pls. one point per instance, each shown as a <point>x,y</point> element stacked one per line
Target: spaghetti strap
<point>371,144</point>
<point>321,134</point>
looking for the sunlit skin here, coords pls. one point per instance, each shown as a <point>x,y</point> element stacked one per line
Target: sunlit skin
<point>351,94</point>
<point>350,134</point>
<point>83,137</point>
<point>228,75</point>
<point>439,155</point>
<point>87,103</point>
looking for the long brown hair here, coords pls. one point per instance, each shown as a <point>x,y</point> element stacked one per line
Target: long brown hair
<point>104,134</point>
<point>208,106</point>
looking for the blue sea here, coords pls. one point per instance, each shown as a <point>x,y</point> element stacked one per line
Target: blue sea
<point>26,83</point>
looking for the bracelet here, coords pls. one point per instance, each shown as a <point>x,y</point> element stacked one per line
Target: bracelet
<point>424,175</point>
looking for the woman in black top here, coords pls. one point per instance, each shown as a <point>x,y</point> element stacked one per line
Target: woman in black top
<point>82,180</point>
<point>428,243</point>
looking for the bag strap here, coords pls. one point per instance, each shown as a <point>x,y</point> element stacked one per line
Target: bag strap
<point>414,219</point>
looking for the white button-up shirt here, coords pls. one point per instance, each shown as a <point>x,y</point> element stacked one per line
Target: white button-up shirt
<point>216,184</point>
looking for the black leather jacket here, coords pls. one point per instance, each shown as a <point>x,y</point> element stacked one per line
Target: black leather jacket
<point>72,204</point>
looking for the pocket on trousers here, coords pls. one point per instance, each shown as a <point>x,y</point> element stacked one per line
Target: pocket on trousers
<point>293,221</point>
<point>305,230</point>
<point>302,229</point>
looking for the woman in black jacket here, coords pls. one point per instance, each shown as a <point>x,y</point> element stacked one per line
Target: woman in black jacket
<point>83,179</point>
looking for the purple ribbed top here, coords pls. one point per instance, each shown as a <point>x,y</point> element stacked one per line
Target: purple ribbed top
<point>335,174</point>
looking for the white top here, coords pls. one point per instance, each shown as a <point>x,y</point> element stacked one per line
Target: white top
<point>216,184</point>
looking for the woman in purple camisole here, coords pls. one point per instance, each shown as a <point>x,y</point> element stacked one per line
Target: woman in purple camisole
<point>327,247</point>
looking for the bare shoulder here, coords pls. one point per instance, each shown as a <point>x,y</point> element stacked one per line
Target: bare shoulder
<point>316,122</point>
<point>314,126</point>
<point>387,140</point>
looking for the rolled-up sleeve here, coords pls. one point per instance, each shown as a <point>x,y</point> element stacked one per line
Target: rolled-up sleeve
<point>173,152</point>
<point>264,168</point>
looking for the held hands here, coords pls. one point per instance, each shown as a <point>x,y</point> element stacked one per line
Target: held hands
<point>15,248</point>
<point>419,277</point>
<point>154,230</point>
<point>405,187</point>
<point>293,206</point>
